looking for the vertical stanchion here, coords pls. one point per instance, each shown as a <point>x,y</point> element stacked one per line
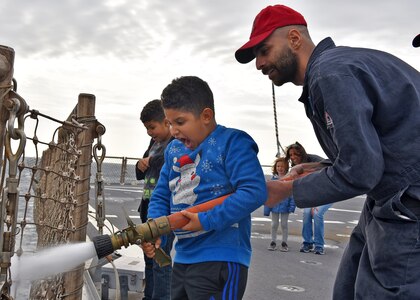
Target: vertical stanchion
<point>85,115</point>
<point>7,58</point>
<point>123,170</point>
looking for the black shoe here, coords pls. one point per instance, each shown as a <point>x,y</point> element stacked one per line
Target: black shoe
<point>305,248</point>
<point>319,250</point>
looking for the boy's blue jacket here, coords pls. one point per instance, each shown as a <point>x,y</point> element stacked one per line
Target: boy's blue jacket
<point>224,163</point>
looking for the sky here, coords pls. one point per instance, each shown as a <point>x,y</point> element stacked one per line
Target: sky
<point>125,52</point>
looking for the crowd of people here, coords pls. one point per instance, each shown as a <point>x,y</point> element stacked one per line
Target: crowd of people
<point>363,105</point>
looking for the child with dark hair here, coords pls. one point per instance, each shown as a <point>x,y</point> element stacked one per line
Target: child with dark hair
<point>282,210</point>
<point>148,168</point>
<point>206,161</point>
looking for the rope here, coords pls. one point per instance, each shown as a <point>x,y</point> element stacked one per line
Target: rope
<point>275,123</point>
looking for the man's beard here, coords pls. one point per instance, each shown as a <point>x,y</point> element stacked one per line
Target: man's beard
<point>286,67</point>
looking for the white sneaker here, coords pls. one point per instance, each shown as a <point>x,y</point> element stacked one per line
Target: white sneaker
<point>272,246</point>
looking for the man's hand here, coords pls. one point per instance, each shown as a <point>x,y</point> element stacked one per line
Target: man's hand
<point>314,210</point>
<point>302,170</point>
<point>194,223</point>
<point>278,191</point>
<point>294,172</point>
<point>143,164</point>
<point>149,248</point>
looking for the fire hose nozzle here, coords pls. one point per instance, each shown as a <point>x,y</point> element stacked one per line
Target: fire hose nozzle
<point>146,232</point>
<point>150,231</point>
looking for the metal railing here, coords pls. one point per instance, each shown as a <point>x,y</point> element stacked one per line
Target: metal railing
<point>118,170</point>
<point>121,170</point>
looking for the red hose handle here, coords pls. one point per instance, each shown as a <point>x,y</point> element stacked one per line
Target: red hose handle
<point>177,220</point>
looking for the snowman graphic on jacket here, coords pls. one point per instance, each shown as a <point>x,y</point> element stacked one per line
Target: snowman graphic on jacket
<point>182,186</point>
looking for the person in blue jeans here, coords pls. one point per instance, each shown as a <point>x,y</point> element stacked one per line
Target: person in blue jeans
<point>313,237</point>
<point>157,279</point>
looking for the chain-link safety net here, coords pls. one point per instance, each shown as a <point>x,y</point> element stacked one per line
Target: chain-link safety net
<point>45,196</point>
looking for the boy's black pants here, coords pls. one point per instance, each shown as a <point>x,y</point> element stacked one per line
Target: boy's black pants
<point>208,281</point>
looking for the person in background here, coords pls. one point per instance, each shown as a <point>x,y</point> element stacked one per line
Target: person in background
<point>364,106</point>
<point>281,210</point>
<point>157,278</point>
<point>416,41</point>
<point>312,232</point>
<point>204,162</point>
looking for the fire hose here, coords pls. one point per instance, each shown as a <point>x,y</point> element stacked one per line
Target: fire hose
<point>149,232</point>
<point>154,228</point>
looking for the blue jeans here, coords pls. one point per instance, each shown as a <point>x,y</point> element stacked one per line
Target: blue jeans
<point>315,235</point>
<point>158,280</point>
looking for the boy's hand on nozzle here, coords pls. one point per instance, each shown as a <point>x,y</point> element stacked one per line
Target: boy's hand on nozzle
<point>194,223</point>
<point>149,248</point>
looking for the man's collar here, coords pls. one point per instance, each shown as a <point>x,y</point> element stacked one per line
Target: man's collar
<point>325,44</point>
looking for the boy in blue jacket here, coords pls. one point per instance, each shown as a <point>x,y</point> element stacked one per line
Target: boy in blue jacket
<point>206,161</point>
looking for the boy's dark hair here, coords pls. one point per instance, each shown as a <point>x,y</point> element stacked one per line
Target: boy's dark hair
<point>188,93</point>
<point>152,111</point>
<point>300,151</point>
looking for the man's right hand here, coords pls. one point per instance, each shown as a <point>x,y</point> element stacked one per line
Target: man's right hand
<point>294,172</point>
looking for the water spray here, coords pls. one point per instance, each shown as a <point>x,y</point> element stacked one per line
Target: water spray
<point>149,232</point>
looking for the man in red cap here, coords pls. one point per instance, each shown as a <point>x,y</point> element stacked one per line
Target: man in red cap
<point>364,106</point>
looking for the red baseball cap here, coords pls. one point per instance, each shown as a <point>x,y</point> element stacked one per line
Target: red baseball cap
<point>268,20</point>
<point>416,41</point>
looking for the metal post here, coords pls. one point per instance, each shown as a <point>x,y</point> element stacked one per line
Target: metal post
<point>123,170</point>
<point>86,116</point>
<point>124,287</point>
<point>7,58</point>
<point>105,287</point>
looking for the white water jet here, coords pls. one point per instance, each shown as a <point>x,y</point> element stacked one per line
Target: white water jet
<point>50,261</point>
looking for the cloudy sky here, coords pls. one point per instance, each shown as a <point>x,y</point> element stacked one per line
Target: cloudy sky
<point>125,52</point>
